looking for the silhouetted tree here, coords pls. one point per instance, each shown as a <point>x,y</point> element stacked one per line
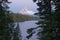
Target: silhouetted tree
<point>56,18</point>
<point>17,34</point>
<point>6,21</point>
<point>30,32</point>
<point>49,19</point>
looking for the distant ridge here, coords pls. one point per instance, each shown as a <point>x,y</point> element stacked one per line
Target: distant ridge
<point>20,18</point>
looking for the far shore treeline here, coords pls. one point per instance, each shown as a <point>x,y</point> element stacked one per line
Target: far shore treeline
<point>17,17</point>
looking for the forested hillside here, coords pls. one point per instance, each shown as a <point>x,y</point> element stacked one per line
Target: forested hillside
<point>19,17</point>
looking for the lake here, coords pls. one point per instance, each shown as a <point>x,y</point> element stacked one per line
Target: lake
<point>27,25</point>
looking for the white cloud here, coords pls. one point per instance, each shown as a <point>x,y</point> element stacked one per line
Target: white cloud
<point>20,4</point>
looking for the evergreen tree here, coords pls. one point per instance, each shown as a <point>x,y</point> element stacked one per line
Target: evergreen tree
<point>56,18</point>
<point>17,34</point>
<point>51,23</point>
<point>49,19</point>
<point>6,21</point>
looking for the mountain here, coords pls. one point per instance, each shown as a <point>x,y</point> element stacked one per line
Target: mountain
<point>26,11</point>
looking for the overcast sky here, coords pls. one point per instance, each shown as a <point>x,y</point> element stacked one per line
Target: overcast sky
<point>18,5</point>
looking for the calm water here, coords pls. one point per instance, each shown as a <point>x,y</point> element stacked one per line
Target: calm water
<point>27,25</point>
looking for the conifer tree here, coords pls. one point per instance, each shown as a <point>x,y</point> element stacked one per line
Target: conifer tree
<point>51,29</point>
<point>16,34</point>
<point>6,21</point>
<point>47,21</point>
<point>56,18</point>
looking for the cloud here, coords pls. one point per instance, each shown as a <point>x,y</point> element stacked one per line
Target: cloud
<point>17,5</point>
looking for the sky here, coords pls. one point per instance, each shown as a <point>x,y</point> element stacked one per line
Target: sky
<point>18,5</point>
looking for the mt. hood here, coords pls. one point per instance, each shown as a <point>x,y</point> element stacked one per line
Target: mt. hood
<point>26,11</point>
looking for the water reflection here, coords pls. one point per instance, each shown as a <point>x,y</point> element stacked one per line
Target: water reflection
<point>27,25</point>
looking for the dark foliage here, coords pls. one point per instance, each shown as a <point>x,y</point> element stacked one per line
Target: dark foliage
<point>50,19</point>
<point>6,21</point>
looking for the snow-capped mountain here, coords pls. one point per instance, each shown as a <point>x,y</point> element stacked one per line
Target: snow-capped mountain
<point>26,11</point>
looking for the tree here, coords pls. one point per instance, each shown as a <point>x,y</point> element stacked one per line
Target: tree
<point>56,18</point>
<point>16,33</point>
<point>6,21</point>
<point>50,19</point>
<point>45,15</point>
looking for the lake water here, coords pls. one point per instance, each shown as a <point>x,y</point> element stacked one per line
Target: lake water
<point>27,25</point>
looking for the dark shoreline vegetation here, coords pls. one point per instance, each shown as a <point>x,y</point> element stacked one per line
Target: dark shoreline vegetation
<point>20,18</point>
